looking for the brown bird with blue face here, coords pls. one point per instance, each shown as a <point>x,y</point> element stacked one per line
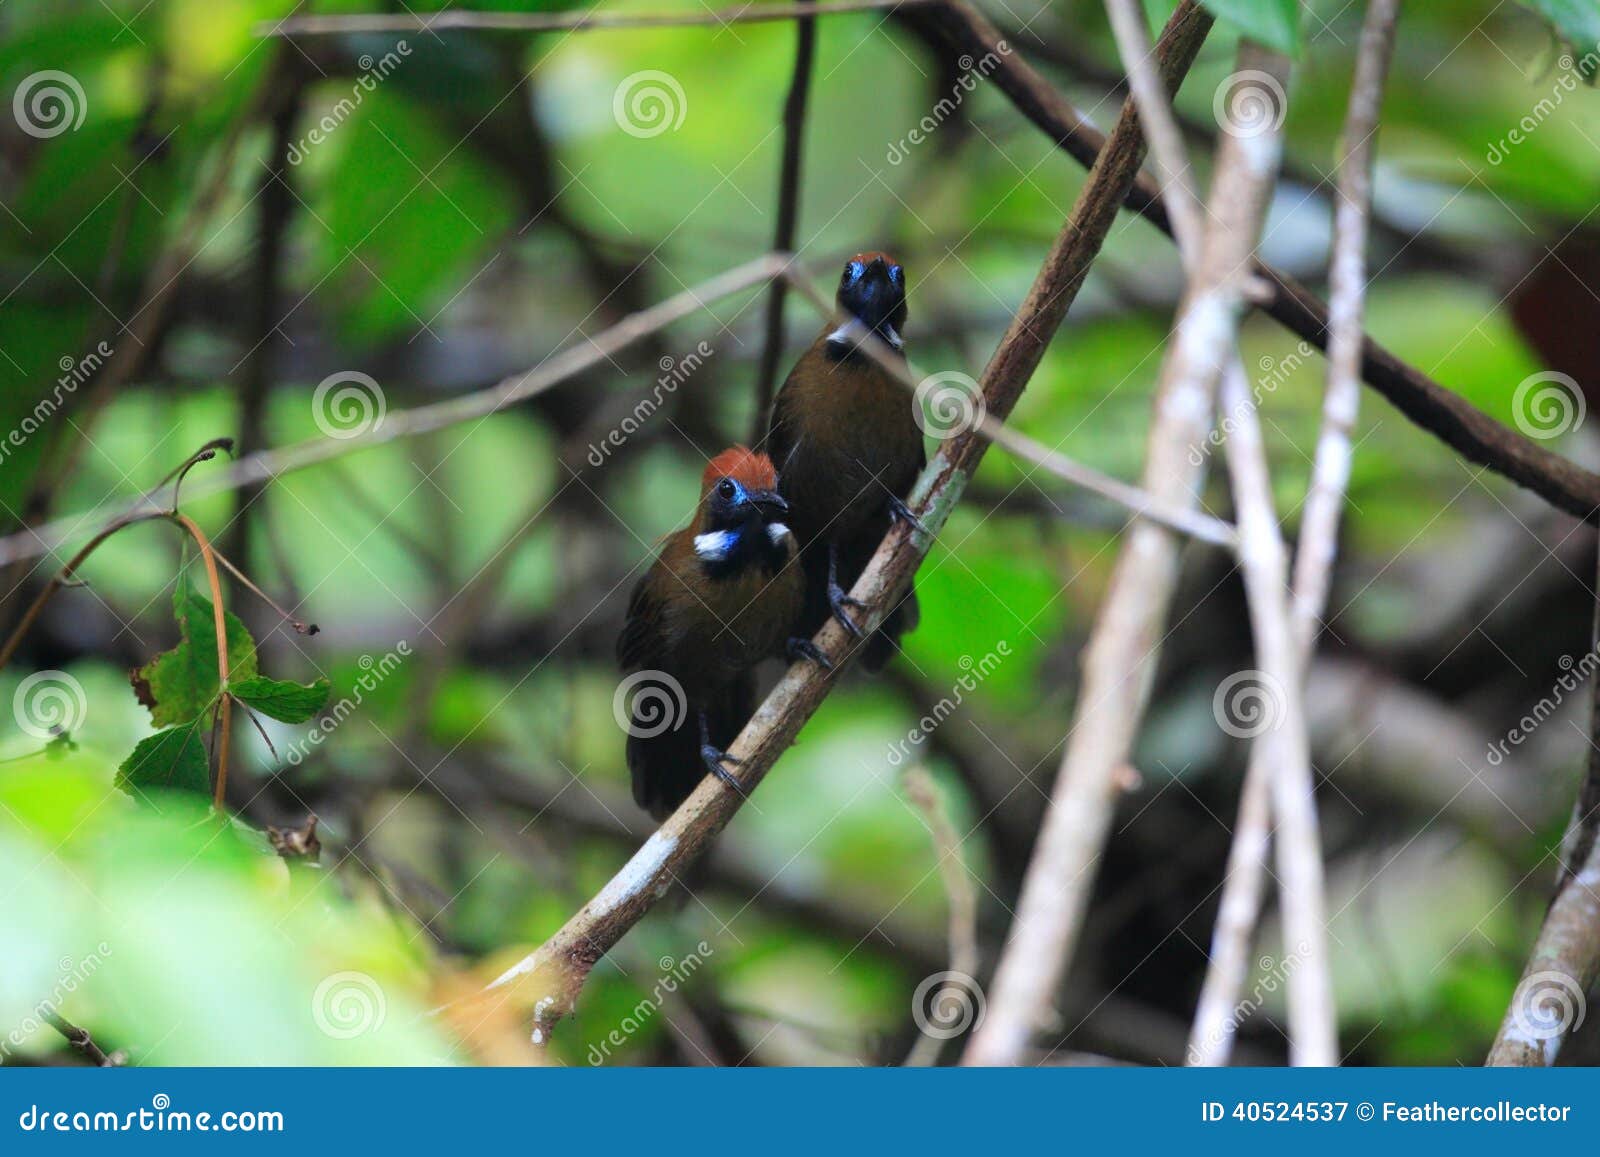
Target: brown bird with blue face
<point>723,594</point>
<point>848,449</point>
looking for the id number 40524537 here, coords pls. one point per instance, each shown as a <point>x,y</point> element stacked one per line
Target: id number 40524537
<point>1308,1111</point>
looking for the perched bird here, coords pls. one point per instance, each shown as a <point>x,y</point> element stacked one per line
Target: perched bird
<point>848,449</point>
<point>723,594</point>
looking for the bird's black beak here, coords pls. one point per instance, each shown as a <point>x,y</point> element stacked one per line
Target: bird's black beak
<point>769,503</point>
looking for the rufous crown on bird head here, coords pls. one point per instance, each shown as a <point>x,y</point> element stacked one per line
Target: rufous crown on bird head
<point>872,289</point>
<point>752,470</point>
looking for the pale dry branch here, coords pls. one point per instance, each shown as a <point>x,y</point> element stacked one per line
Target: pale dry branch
<point>1211,1040</point>
<point>1119,658</point>
<point>1282,749</point>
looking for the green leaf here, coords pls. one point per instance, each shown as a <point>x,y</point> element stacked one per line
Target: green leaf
<point>1273,23</point>
<point>179,684</point>
<point>284,701</point>
<point>1578,23</point>
<point>174,759</point>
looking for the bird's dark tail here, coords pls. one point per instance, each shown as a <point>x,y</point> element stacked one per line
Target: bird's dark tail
<point>666,766</point>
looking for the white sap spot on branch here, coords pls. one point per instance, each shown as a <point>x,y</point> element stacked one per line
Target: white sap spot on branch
<point>637,875</point>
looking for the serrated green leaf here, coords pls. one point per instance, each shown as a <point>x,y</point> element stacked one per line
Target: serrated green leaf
<point>174,759</point>
<point>284,701</point>
<point>179,684</point>
<point>1273,23</point>
<point>1578,23</point>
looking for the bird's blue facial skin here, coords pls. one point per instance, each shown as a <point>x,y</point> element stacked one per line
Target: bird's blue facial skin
<point>857,270</point>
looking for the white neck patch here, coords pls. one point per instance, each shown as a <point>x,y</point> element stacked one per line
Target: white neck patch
<point>715,546</point>
<point>852,332</point>
<point>777,532</point>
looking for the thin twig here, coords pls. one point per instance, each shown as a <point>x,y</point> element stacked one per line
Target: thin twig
<point>794,133</point>
<point>455,19</point>
<point>79,1038</point>
<point>550,978</point>
<point>1211,1038</point>
<point>959,894</point>
<point>220,621</point>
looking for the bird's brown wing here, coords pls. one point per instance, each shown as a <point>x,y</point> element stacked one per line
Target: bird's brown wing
<point>639,645</point>
<point>784,429</point>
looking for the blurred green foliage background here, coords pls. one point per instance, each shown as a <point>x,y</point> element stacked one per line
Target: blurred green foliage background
<point>481,207</point>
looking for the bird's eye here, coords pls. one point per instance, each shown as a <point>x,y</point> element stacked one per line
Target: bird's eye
<point>726,488</point>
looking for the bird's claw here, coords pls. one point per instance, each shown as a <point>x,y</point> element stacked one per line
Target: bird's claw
<point>714,759</point>
<point>898,509</point>
<point>798,648</point>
